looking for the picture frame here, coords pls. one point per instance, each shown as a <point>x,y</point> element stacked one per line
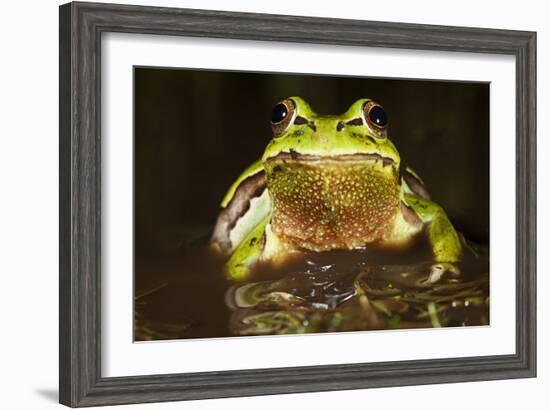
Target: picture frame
<point>81,27</point>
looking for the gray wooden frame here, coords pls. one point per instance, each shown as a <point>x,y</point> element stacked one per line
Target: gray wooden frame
<point>81,27</point>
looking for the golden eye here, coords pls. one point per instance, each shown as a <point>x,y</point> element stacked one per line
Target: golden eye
<point>282,115</point>
<point>376,118</point>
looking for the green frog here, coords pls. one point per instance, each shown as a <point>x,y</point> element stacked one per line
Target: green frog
<point>327,182</point>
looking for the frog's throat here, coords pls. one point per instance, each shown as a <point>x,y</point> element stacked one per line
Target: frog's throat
<point>324,203</point>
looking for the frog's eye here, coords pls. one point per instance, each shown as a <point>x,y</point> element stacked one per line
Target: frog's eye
<point>375,117</point>
<point>282,115</point>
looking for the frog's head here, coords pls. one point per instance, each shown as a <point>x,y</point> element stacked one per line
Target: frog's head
<point>333,180</point>
<point>302,134</point>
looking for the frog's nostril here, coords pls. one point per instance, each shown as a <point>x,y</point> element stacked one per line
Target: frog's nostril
<point>340,126</point>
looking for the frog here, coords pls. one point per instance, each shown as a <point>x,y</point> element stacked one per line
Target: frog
<point>325,183</point>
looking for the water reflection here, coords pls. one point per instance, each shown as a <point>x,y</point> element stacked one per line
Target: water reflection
<point>327,298</point>
<point>321,292</point>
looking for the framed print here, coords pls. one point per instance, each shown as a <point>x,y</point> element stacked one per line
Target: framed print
<point>258,204</point>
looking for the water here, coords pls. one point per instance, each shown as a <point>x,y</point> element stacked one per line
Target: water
<point>184,294</point>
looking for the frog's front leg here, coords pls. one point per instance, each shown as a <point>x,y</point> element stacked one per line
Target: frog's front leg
<point>247,253</point>
<point>242,230</point>
<point>443,238</point>
<point>261,244</point>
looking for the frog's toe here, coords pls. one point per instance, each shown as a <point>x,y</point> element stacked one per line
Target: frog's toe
<point>440,270</point>
<point>446,268</point>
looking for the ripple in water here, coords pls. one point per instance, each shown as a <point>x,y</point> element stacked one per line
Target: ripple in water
<point>337,291</point>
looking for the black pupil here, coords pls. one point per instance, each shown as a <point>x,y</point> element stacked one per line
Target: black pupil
<point>378,116</point>
<point>279,113</point>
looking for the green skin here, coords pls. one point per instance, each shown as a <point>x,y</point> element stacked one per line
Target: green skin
<point>328,182</point>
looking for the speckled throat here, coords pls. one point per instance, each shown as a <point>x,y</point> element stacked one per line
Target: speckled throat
<point>334,202</point>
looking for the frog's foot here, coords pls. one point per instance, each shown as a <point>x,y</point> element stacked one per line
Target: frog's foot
<point>440,270</point>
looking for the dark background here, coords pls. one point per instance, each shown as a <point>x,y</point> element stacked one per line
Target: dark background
<point>196,131</point>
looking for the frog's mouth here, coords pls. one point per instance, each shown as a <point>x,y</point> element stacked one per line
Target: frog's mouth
<point>358,158</point>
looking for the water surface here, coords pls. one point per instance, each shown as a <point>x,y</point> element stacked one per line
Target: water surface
<point>184,294</point>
